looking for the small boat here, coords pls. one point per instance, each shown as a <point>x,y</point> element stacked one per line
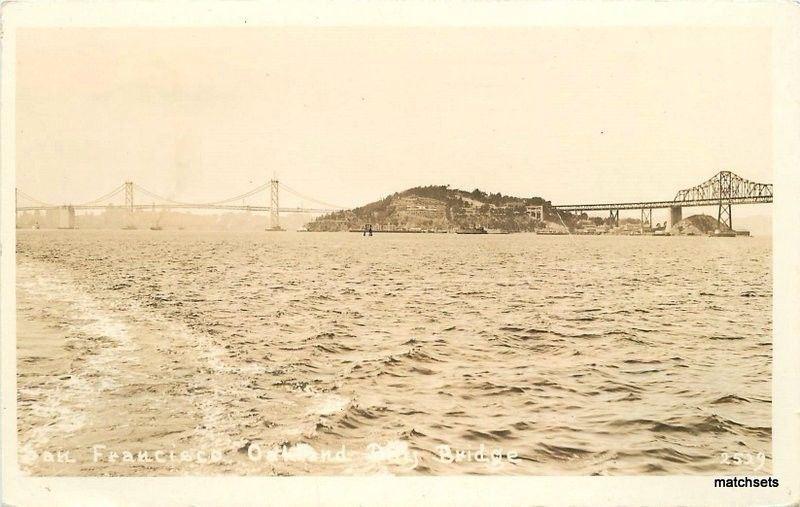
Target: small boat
<point>156,228</point>
<point>476,230</point>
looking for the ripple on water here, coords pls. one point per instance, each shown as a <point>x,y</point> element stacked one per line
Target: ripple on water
<point>601,358</point>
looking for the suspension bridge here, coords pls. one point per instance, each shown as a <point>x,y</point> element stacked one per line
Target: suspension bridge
<point>724,190</point>
<point>122,197</point>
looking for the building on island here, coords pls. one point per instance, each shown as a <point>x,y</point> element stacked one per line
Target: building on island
<point>535,212</point>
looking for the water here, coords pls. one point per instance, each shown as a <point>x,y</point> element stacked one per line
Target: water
<point>331,353</point>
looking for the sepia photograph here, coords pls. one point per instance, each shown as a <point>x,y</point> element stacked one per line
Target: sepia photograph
<point>394,250</point>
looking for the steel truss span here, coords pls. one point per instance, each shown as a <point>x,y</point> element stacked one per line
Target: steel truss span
<point>659,204</point>
<point>724,189</point>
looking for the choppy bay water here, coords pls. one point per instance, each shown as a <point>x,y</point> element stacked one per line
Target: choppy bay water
<point>331,353</point>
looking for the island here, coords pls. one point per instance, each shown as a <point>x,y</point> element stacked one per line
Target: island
<point>439,208</point>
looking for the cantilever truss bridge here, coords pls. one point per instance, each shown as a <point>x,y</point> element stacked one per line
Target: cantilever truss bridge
<point>123,197</point>
<point>723,190</point>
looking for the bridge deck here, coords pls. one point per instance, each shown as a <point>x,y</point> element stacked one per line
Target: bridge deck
<point>662,204</point>
<point>178,206</point>
<point>561,207</point>
<point>722,189</point>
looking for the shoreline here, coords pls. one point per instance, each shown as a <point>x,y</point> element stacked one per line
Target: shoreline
<point>168,231</point>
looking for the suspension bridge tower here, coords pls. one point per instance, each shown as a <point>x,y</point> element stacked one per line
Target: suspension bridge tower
<point>274,206</point>
<point>128,206</point>
<point>128,195</point>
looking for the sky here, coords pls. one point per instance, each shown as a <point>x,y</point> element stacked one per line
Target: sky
<point>349,115</point>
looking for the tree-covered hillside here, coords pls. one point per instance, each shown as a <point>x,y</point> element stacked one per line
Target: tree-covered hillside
<point>441,208</point>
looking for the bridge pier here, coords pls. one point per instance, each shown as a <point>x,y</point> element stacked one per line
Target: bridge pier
<point>724,216</point>
<point>647,218</point>
<point>675,216</point>
<point>66,217</point>
<point>614,217</point>
<point>726,191</point>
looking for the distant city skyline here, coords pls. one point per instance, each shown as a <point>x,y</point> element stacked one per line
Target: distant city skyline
<point>351,115</point>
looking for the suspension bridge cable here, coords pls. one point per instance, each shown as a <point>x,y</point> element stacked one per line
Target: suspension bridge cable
<point>214,203</point>
<point>31,198</point>
<point>104,196</point>
<point>246,194</point>
<point>312,199</point>
<point>156,196</point>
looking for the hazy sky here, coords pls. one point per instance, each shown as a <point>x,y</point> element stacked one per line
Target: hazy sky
<point>348,115</point>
